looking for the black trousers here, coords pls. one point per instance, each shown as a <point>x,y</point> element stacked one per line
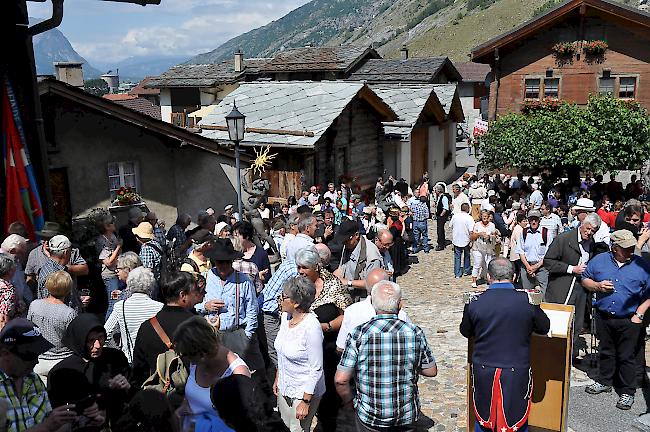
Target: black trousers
<point>440,228</point>
<point>619,340</point>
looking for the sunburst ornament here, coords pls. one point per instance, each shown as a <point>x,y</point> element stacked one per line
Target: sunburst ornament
<point>262,159</point>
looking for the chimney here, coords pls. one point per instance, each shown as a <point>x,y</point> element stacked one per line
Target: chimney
<point>239,61</point>
<point>70,73</point>
<point>404,52</point>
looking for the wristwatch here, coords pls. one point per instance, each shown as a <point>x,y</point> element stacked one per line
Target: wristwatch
<point>349,283</point>
<point>639,316</point>
<point>329,326</point>
<point>307,401</point>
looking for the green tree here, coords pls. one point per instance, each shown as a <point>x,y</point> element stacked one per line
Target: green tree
<point>96,86</point>
<point>607,135</point>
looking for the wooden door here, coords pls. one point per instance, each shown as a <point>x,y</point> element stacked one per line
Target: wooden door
<point>61,204</point>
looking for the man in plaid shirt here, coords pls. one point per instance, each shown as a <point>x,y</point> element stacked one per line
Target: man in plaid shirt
<point>385,357</point>
<point>420,210</point>
<point>22,392</point>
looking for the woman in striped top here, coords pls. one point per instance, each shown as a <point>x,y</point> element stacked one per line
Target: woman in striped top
<point>129,314</point>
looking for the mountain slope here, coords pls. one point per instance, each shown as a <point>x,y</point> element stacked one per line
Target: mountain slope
<point>427,27</point>
<point>136,68</point>
<point>52,46</point>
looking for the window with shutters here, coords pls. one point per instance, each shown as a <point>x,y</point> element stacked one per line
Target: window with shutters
<point>122,174</point>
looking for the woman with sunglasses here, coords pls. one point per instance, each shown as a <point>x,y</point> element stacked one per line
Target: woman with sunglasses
<point>109,247</point>
<point>299,381</point>
<point>209,362</point>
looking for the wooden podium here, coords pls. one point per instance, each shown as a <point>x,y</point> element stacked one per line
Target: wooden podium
<point>550,360</point>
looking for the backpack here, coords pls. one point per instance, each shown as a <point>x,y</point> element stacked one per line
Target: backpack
<point>200,279</point>
<point>168,264</point>
<point>544,235</point>
<point>171,374</point>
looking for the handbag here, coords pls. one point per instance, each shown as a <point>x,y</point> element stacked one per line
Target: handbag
<point>129,341</point>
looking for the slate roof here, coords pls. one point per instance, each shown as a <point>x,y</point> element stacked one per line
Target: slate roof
<point>135,103</point>
<point>473,72</point>
<point>287,105</point>
<point>322,59</point>
<point>141,90</point>
<point>205,75</point>
<point>413,70</point>
<point>408,102</point>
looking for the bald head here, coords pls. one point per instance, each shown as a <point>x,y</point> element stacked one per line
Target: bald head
<point>384,240</point>
<point>376,275</point>
<point>324,253</point>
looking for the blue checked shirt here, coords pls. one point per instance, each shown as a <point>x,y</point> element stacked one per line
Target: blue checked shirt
<point>386,355</point>
<point>216,289</point>
<point>420,211</point>
<point>268,298</point>
<point>150,257</point>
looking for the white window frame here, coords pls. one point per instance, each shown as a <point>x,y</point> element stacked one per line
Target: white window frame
<point>121,168</point>
<point>617,85</point>
<point>557,94</point>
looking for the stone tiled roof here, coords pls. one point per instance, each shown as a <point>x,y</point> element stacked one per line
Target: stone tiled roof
<point>409,101</point>
<point>141,90</point>
<point>413,70</point>
<point>135,103</point>
<point>473,72</point>
<point>204,75</point>
<point>303,106</point>
<point>312,59</point>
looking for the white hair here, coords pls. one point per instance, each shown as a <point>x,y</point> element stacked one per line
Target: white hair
<point>592,219</point>
<point>388,300</point>
<point>141,280</point>
<point>13,241</point>
<point>308,257</point>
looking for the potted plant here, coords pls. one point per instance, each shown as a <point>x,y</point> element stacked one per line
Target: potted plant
<point>126,196</point>
<point>532,105</point>
<point>594,47</point>
<point>564,49</point>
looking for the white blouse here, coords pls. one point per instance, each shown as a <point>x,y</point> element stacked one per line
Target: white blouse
<point>300,357</point>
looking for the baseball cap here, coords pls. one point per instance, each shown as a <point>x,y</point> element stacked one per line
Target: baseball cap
<point>623,238</point>
<point>228,207</point>
<point>534,214</point>
<point>24,339</point>
<point>59,243</point>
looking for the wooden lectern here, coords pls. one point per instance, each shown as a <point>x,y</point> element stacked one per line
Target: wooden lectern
<point>550,360</point>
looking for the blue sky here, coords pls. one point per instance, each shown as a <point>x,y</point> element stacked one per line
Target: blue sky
<point>109,31</point>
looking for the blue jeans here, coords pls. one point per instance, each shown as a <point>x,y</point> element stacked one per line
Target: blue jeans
<point>111,285</point>
<point>467,265</point>
<point>420,232</point>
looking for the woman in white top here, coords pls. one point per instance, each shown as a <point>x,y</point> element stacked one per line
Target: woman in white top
<point>198,344</point>
<point>129,314</point>
<point>484,236</point>
<point>299,381</point>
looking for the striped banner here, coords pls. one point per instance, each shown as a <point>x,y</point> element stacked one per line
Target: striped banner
<point>22,201</point>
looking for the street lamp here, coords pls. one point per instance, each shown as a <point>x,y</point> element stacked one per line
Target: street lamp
<point>236,123</point>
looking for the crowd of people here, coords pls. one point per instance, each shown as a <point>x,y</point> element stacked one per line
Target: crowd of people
<point>212,325</point>
<point>207,326</point>
<point>581,242</point>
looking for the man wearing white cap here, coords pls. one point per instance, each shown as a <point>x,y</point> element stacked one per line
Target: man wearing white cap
<point>60,250</point>
<point>230,212</point>
<point>584,206</point>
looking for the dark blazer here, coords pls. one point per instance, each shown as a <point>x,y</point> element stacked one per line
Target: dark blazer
<point>501,321</point>
<point>562,252</point>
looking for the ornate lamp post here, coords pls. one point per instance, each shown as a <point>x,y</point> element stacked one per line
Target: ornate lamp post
<point>236,123</point>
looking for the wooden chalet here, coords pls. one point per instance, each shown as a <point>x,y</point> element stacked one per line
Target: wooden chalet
<point>557,56</point>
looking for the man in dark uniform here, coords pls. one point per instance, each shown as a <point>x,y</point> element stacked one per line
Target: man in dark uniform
<point>501,321</point>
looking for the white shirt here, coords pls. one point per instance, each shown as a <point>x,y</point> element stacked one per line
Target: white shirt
<point>300,357</point>
<point>265,214</point>
<point>399,202</point>
<point>485,205</point>
<point>602,235</point>
<point>299,242</point>
<point>138,308</point>
<point>357,314</point>
<point>331,195</point>
<point>458,201</point>
<point>536,199</point>
<point>462,225</point>
<point>283,247</point>
<point>553,224</point>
